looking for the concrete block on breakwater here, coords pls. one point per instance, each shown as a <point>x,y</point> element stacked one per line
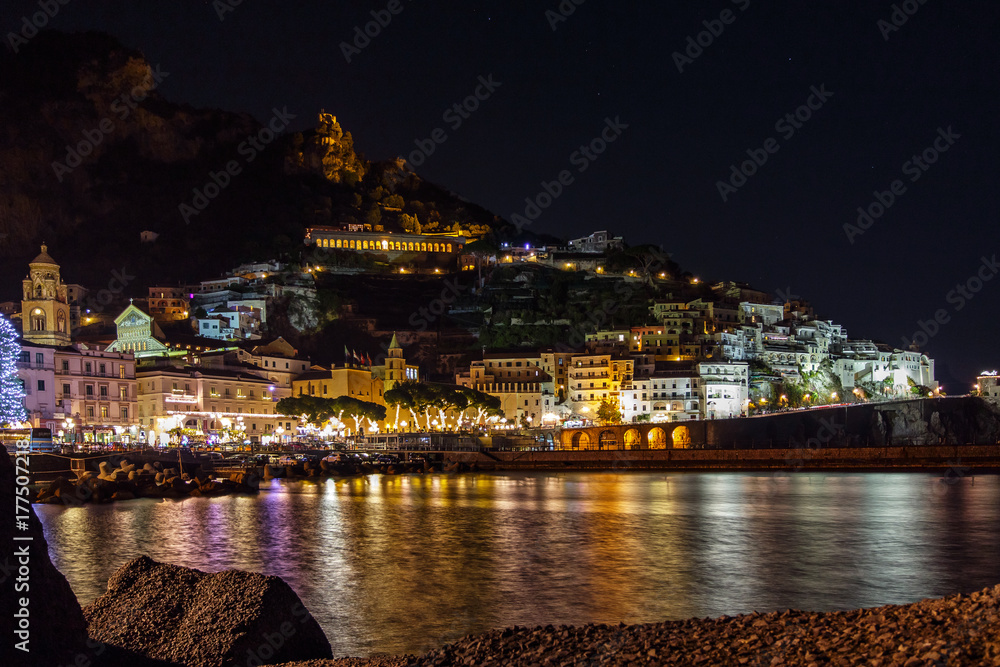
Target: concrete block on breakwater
<point>152,481</point>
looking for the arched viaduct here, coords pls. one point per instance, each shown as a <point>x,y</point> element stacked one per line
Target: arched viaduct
<point>666,435</point>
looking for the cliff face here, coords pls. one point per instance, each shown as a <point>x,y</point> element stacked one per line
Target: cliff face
<point>934,421</point>
<point>949,421</point>
<point>82,118</point>
<point>329,151</point>
<point>91,155</point>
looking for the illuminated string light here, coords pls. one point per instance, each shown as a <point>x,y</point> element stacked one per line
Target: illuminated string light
<point>12,410</point>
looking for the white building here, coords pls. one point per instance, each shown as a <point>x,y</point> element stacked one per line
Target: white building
<point>664,397</point>
<point>724,389</point>
<point>988,384</point>
<point>215,326</point>
<point>596,242</point>
<point>761,313</point>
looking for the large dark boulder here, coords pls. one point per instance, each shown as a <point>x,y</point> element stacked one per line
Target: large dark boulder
<point>201,619</point>
<point>54,628</point>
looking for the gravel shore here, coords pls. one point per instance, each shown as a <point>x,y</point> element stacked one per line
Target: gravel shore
<point>956,630</point>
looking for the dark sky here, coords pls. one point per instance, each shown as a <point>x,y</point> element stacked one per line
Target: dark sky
<point>658,182</point>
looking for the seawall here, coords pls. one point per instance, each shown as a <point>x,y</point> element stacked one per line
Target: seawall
<point>951,460</point>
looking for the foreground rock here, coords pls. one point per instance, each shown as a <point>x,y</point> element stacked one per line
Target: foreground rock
<point>198,619</point>
<point>957,630</point>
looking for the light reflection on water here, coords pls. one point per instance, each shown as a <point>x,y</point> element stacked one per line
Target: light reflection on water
<point>403,564</point>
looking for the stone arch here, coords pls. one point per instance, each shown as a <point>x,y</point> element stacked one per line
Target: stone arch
<point>632,439</point>
<point>681,437</point>
<point>580,439</point>
<point>657,438</point>
<point>608,439</point>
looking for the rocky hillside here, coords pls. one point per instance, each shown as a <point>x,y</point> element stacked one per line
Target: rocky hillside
<point>91,155</point>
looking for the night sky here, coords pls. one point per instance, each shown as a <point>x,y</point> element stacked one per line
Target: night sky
<point>891,89</point>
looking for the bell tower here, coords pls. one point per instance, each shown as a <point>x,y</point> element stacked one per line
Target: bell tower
<point>44,303</point>
<point>395,365</point>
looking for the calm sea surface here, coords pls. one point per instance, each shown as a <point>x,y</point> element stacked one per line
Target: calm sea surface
<point>403,564</point>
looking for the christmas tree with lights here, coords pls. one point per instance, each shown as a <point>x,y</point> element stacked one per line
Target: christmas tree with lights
<point>12,410</point>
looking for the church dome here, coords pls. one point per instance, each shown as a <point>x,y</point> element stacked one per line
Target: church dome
<point>44,257</point>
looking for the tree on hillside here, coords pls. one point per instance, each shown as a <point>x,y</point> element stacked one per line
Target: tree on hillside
<point>651,261</point>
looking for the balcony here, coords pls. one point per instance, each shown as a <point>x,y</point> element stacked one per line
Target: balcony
<point>31,365</point>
